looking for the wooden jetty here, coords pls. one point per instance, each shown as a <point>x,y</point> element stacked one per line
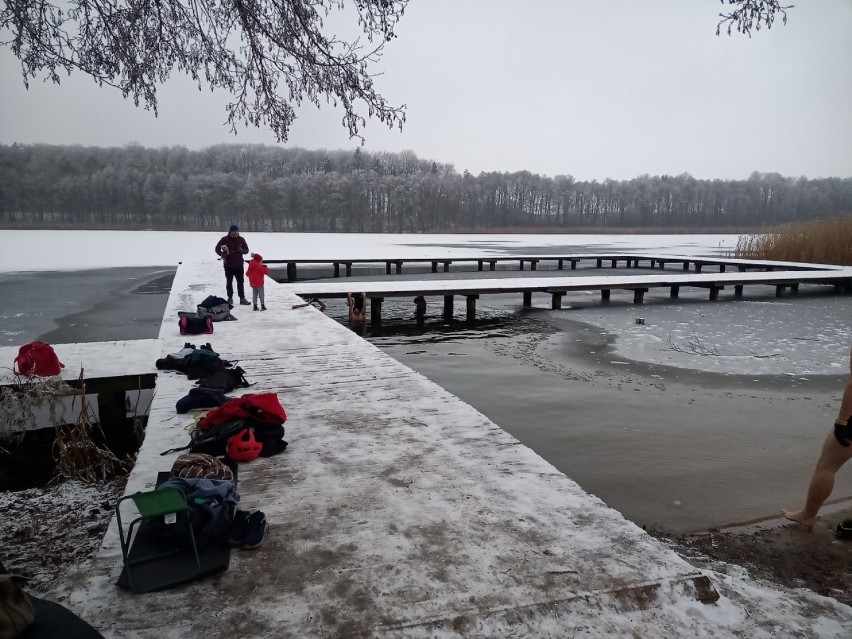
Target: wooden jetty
<point>782,276</point>
<point>396,511</point>
<point>110,372</point>
<point>559,262</point>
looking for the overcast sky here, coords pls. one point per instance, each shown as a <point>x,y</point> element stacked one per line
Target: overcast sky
<point>593,89</point>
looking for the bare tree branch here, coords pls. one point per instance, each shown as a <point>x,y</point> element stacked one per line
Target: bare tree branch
<point>751,14</point>
<point>271,55</point>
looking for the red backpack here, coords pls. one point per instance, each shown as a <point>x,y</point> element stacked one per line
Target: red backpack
<point>37,358</point>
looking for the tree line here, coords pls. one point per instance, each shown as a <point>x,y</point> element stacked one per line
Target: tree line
<point>270,188</point>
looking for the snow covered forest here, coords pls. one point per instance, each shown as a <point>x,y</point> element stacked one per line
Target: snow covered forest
<point>267,188</point>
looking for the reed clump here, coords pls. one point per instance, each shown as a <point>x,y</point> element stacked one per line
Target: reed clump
<point>826,241</point>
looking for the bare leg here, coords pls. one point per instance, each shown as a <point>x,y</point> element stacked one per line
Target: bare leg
<point>833,456</point>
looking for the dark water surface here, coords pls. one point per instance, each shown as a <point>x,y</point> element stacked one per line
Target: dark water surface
<point>84,306</point>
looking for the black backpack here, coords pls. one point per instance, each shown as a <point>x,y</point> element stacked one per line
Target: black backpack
<point>225,379</point>
<point>215,307</point>
<point>210,515</point>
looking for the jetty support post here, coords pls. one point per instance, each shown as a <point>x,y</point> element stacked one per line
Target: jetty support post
<point>605,293</point>
<point>434,266</point>
<point>686,265</point>
<point>376,310</point>
<point>448,307</point>
<point>600,262</point>
<point>447,266</point>
<point>738,290</point>
<point>779,290</point>
<point>559,264</point>
<point>336,269</point>
<point>533,265</point>
<point>291,271</point>
<point>714,292</point>
<point>348,269</point>
<point>471,307</point>
<point>556,301</point>
<point>387,268</point>
<point>492,265</point>
<point>574,265</point>
<point>479,265</point>
<point>527,299</point>
<point>398,267</point>
<point>639,295</point>
<point>675,291</point>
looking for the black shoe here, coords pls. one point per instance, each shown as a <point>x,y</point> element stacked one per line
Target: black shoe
<point>254,308</point>
<point>244,301</point>
<point>238,527</point>
<point>230,301</point>
<point>256,530</point>
<point>263,307</point>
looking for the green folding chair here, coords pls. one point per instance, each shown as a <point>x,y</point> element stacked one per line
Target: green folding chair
<point>153,505</point>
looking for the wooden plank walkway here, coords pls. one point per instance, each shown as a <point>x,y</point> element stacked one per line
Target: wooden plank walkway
<point>113,373</point>
<point>840,279</point>
<point>397,510</point>
<point>96,359</point>
<point>395,264</point>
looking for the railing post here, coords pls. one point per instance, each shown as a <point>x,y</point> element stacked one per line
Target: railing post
<point>291,271</point>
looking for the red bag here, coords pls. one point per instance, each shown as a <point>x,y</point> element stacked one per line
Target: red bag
<point>37,358</point>
<point>262,407</point>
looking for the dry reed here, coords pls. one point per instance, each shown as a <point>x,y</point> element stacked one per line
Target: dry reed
<point>826,241</point>
<point>78,455</point>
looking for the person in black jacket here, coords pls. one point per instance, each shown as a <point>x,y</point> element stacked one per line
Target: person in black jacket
<point>231,249</point>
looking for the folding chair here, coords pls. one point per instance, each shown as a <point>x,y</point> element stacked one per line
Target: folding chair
<point>166,503</point>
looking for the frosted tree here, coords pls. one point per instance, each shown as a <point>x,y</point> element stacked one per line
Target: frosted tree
<point>270,55</point>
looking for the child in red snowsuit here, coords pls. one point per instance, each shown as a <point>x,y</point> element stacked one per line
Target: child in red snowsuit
<point>256,271</point>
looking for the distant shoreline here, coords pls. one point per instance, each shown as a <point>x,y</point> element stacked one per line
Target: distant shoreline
<point>507,230</point>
